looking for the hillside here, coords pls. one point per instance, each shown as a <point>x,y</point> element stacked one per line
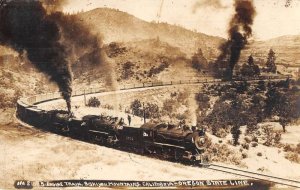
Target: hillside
<point>285,47</point>
<point>137,51</point>
<point>116,25</point>
<point>149,60</point>
<point>13,68</point>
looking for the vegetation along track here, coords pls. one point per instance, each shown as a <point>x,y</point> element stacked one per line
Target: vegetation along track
<point>254,175</point>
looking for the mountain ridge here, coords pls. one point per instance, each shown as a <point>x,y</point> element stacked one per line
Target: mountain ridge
<point>119,26</point>
<point>124,27</point>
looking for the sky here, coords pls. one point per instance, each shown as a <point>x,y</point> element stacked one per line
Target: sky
<point>274,17</point>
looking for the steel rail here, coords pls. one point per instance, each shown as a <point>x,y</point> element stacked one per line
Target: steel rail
<point>291,184</point>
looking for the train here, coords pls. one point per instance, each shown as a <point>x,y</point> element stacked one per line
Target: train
<point>260,77</point>
<point>180,142</point>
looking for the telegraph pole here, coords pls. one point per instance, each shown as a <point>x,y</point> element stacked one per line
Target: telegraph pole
<point>144,113</point>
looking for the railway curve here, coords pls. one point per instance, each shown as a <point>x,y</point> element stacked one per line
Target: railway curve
<point>27,107</point>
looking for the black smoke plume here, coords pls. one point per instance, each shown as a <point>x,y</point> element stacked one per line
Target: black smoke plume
<point>239,31</point>
<point>26,27</point>
<point>50,39</point>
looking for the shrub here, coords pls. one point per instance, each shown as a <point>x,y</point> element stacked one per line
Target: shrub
<point>298,148</point>
<point>259,154</point>
<point>293,157</point>
<point>93,102</point>
<point>262,169</point>
<point>107,106</point>
<point>222,153</point>
<point>156,70</point>
<point>247,139</point>
<point>127,71</point>
<point>277,137</point>
<point>136,107</point>
<point>152,110</point>
<point>181,117</point>
<point>244,155</point>
<point>254,144</point>
<point>287,148</point>
<point>254,139</point>
<point>221,133</point>
<point>245,146</point>
<point>115,49</point>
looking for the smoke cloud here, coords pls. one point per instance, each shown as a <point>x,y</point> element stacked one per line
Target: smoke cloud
<point>25,27</point>
<point>216,4</point>
<point>54,5</point>
<point>50,39</point>
<point>239,31</point>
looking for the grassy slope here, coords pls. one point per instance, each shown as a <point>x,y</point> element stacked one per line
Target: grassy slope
<point>116,25</point>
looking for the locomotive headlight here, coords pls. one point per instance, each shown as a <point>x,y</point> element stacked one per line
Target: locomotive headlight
<point>202,140</point>
<point>199,142</point>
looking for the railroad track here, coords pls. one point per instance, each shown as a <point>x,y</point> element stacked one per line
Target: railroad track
<point>255,175</point>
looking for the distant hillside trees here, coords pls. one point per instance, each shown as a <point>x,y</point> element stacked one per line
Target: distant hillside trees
<point>270,65</point>
<point>250,69</point>
<point>127,70</point>
<point>115,49</point>
<point>156,70</point>
<point>199,62</point>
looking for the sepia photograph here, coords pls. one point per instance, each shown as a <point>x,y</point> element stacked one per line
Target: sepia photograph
<point>150,94</point>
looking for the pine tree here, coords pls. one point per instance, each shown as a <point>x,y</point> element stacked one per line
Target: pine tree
<point>250,69</point>
<point>199,62</point>
<point>250,60</point>
<point>235,131</point>
<point>271,67</point>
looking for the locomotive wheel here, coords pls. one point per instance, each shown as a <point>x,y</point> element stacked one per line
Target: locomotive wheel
<point>150,150</point>
<point>141,150</point>
<point>62,130</point>
<point>197,163</point>
<point>94,138</point>
<point>111,140</point>
<point>99,139</point>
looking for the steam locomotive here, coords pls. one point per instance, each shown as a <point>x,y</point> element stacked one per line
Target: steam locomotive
<point>171,142</point>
